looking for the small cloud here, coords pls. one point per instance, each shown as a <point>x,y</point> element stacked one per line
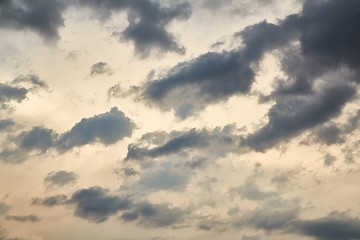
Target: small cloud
<point>100,68</point>
<point>27,218</point>
<point>60,179</point>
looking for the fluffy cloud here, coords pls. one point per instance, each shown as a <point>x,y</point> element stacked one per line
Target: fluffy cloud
<point>107,128</point>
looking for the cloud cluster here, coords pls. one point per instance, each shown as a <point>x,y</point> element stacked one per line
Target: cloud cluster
<point>147,20</point>
<point>18,89</point>
<point>320,66</point>
<point>107,128</point>
<point>96,204</point>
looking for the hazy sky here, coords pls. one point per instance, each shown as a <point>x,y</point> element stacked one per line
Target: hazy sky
<point>179,120</point>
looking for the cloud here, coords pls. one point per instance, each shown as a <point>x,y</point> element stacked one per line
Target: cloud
<point>334,226</point>
<point>4,208</point>
<point>60,178</point>
<point>159,144</point>
<point>100,68</point>
<point>18,89</point>
<point>27,218</point>
<point>6,124</point>
<point>160,215</point>
<point>291,116</point>
<point>11,93</point>
<point>50,201</point>
<point>31,79</point>
<point>38,138</point>
<point>164,177</point>
<point>43,17</point>
<point>147,22</point>
<point>107,128</point>
<point>96,205</point>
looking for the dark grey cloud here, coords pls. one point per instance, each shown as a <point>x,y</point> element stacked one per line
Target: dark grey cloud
<point>97,205</point>
<point>320,70</point>
<point>147,22</point>
<point>26,218</point>
<point>43,17</point>
<point>290,117</point>
<point>100,68</point>
<point>218,141</point>
<point>107,128</point>
<point>334,226</point>
<point>60,178</point>
<point>11,93</point>
<point>38,138</point>
<point>214,77</point>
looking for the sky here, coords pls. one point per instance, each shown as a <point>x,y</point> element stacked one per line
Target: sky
<point>179,119</point>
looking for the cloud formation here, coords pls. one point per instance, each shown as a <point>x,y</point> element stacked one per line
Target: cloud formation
<point>100,68</point>
<point>43,17</point>
<point>60,178</point>
<point>147,23</point>
<point>218,142</point>
<point>107,128</point>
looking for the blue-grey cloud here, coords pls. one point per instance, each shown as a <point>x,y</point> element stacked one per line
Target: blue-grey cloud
<point>291,116</point>
<point>44,17</point>
<point>107,128</point>
<point>96,204</point>
<point>332,227</point>
<point>60,178</point>
<point>148,22</point>
<point>218,142</point>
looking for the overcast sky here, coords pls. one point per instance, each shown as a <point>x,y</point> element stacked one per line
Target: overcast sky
<point>179,120</point>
